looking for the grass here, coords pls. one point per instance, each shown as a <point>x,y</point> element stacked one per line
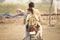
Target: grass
<point>13,7</point>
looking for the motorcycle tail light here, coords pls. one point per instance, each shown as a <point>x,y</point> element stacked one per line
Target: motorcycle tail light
<point>32,29</point>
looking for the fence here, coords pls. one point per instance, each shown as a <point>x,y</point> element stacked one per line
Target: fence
<point>53,18</point>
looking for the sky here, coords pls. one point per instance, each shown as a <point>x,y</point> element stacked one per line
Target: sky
<point>19,1</point>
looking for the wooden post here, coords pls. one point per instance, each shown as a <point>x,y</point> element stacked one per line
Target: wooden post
<point>50,13</point>
<point>55,10</point>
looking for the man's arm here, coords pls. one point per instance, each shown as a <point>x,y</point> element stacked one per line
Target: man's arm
<point>40,17</point>
<point>25,15</point>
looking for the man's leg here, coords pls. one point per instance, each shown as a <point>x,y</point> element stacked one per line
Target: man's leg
<point>26,33</point>
<point>40,31</point>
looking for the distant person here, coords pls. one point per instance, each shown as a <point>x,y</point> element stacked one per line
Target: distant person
<point>20,11</point>
<point>31,9</point>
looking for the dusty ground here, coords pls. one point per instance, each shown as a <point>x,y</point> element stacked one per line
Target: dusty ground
<point>15,31</point>
<point>51,33</point>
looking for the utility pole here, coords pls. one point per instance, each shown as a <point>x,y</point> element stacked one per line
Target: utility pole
<point>50,12</point>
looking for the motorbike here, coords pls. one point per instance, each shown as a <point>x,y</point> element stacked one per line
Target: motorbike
<point>32,33</point>
<point>33,28</point>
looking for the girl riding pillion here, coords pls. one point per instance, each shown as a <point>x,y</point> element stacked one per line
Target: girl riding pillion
<point>32,10</point>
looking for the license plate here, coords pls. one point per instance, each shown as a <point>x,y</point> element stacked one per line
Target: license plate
<point>33,32</point>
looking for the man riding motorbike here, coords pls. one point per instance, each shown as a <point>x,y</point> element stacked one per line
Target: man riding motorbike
<point>37,14</point>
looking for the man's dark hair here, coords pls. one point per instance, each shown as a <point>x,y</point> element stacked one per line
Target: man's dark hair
<point>31,4</point>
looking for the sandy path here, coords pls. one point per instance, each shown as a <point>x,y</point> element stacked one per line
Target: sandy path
<point>51,33</point>
<point>16,32</point>
<point>11,31</point>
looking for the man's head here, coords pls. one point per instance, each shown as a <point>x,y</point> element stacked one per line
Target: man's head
<point>31,4</point>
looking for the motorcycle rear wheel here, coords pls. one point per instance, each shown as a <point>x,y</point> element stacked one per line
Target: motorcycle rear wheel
<point>32,37</point>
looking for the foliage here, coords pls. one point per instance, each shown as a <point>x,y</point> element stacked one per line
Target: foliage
<point>12,8</point>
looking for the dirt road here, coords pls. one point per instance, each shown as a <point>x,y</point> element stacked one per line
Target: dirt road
<point>16,32</point>
<point>51,33</point>
<point>11,31</point>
